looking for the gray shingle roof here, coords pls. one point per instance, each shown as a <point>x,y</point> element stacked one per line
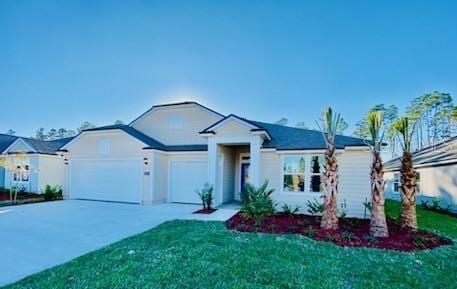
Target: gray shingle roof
<point>429,156</point>
<point>40,146</point>
<point>152,143</point>
<point>5,141</point>
<point>291,138</point>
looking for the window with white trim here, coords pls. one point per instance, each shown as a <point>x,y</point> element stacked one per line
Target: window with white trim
<point>316,177</point>
<point>21,174</point>
<point>294,173</point>
<point>396,183</point>
<point>303,173</point>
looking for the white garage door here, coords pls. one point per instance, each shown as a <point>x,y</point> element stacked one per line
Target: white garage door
<point>185,178</point>
<point>106,180</point>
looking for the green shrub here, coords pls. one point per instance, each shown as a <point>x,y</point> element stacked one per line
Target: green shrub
<point>310,232</point>
<point>315,207</point>
<point>51,193</point>
<point>289,210</point>
<point>257,203</point>
<point>206,196</point>
<point>343,209</point>
<point>348,236</point>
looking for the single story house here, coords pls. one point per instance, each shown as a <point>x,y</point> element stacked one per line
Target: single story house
<point>171,150</point>
<point>436,172</point>
<point>29,164</point>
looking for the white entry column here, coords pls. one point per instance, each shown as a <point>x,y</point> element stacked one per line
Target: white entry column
<point>213,170</point>
<point>254,169</point>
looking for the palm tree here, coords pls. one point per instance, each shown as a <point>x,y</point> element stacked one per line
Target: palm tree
<point>378,224</point>
<point>408,216</point>
<point>330,123</point>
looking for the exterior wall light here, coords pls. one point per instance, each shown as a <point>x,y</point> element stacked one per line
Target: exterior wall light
<point>145,161</point>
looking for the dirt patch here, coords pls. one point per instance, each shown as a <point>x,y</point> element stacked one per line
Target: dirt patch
<point>205,211</point>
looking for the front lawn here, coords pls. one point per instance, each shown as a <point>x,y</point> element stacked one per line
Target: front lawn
<point>192,254</point>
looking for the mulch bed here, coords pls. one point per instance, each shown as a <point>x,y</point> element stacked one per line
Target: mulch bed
<point>21,196</point>
<point>205,211</point>
<point>352,233</point>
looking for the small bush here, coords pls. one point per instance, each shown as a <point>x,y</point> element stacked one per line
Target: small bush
<point>206,196</point>
<point>292,229</point>
<point>289,210</point>
<point>257,203</point>
<point>420,241</point>
<point>435,206</point>
<point>272,228</point>
<point>371,239</point>
<point>303,222</point>
<point>343,210</point>
<point>310,232</point>
<point>315,207</point>
<point>329,238</point>
<point>51,193</point>
<point>348,236</point>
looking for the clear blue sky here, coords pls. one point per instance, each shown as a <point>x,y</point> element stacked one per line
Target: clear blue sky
<point>65,62</point>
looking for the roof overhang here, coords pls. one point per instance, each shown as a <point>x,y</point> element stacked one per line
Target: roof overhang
<point>97,132</point>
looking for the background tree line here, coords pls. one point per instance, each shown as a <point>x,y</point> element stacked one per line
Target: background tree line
<point>53,133</point>
<point>434,116</point>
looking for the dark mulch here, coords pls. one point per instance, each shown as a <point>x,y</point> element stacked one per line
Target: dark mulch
<point>20,196</point>
<point>352,233</point>
<point>205,211</point>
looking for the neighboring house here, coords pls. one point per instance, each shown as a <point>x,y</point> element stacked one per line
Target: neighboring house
<point>30,164</point>
<point>436,173</point>
<point>171,150</point>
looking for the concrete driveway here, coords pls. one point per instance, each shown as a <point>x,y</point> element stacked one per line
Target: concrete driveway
<point>39,236</point>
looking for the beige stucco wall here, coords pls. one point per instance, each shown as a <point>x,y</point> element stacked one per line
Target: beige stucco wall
<point>354,181</point>
<point>121,145</point>
<point>194,119</point>
<point>50,171</point>
<point>233,128</point>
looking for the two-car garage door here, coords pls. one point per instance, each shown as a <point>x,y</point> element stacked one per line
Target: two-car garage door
<point>106,180</point>
<point>121,180</point>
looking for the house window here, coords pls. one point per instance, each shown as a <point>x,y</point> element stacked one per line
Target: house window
<point>25,176</point>
<point>316,177</point>
<point>17,175</point>
<point>104,146</point>
<point>294,173</point>
<point>418,183</point>
<point>20,175</point>
<point>396,183</point>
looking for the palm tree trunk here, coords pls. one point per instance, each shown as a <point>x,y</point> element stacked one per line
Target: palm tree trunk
<point>330,215</point>
<point>408,193</point>
<point>378,224</point>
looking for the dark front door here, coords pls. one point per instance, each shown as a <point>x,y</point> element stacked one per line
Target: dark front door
<point>244,175</point>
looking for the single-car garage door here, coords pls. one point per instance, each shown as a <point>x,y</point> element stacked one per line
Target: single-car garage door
<point>106,180</point>
<point>185,178</point>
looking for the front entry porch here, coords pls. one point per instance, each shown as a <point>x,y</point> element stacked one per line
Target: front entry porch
<point>231,165</point>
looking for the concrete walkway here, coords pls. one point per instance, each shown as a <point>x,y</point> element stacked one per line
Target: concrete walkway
<point>39,236</point>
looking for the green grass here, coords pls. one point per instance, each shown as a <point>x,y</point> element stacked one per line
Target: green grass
<point>192,254</point>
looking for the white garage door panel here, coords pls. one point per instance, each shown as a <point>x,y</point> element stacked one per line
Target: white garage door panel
<point>118,181</point>
<point>185,178</point>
